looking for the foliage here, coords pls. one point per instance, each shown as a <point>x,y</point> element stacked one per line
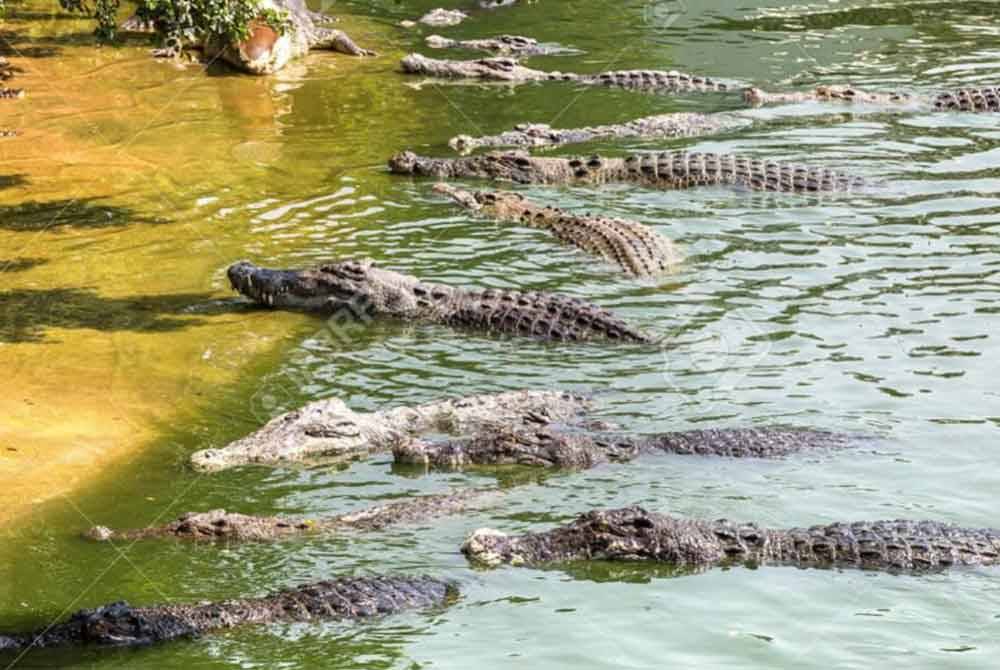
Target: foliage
<point>180,22</point>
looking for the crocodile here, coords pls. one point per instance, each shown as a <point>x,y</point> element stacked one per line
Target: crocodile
<point>220,525</point>
<point>362,289</point>
<point>660,126</point>
<point>637,249</point>
<point>443,17</point>
<point>509,70</point>
<point>120,624</point>
<point>501,44</point>
<point>554,447</point>
<point>665,170</point>
<point>634,534</point>
<point>266,50</point>
<point>984,99</point>
<point>327,429</point>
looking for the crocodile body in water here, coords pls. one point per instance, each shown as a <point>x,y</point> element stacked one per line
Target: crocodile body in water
<point>637,249</point>
<point>329,429</point>
<point>502,44</point>
<point>665,170</point>
<point>661,126</point>
<point>633,534</point>
<point>220,525</point>
<point>362,289</point>
<point>120,624</point>
<point>509,70</point>
<point>554,447</point>
<point>985,99</point>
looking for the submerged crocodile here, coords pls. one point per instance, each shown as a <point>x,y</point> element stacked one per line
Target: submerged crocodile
<point>502,44</point>
<point>509,70</point>
<point>120,624</point>
<point>267,50</point>
<point>329,429</point>
<point>661,126</point>
<point>219,524</point>
<point>440,18</point>
<point>666,170</point>
<point>554,447</point>
<point>364,289</point>
<point>637,249</point>
<point>633,534</point>
<point>985,99</point>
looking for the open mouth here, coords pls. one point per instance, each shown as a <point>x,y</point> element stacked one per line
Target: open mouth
<point>259,284</point>
<point>308,290</point>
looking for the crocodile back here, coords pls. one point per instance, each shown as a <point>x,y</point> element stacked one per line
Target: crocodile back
<point>542,315</point>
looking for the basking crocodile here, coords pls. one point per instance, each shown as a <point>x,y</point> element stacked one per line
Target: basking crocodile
<point>267,50</point>
<point>553,447</point>
<point>633,534</point>
<point>509,70</point>
<point>666,170</point>
<point>637,249</point>
<point>985,99</point>
<point>229,526</point>
<point>364,289</point>
<point>661,126</point>
<point>120,624</point>
<point>501,44</point>
<point>329,429</point>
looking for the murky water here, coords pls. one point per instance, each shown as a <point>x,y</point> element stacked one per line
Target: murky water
<point>872,314</point>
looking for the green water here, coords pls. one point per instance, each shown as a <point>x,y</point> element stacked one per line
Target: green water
<point>864,313</point>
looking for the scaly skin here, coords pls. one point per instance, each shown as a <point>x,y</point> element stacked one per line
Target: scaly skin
<point>502,44</point>
<point>666,170</point>
<point>661,126</point>
<point>509,70</point>
<point>362,288</point>
<point>636,249</point>
<point>120,624</point>
<point>986,99</point>
<point>328,429</point>
<point>554,447</point>
<point>633,534</point>
<point>220,525</point>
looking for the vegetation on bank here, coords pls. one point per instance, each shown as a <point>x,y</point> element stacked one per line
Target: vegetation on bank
<point>181,22</point>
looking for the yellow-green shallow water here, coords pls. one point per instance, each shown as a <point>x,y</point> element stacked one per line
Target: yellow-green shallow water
<point>135,183</point>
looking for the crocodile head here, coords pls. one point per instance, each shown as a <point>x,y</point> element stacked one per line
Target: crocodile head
<point>358,285</point>
<point>325,429</point>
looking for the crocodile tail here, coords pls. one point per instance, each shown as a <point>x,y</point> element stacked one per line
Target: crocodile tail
<point>547,316</point>
<point>11,643</point>
<point>748,442</point>
<point>969,100</point>
<point>892,545</point>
